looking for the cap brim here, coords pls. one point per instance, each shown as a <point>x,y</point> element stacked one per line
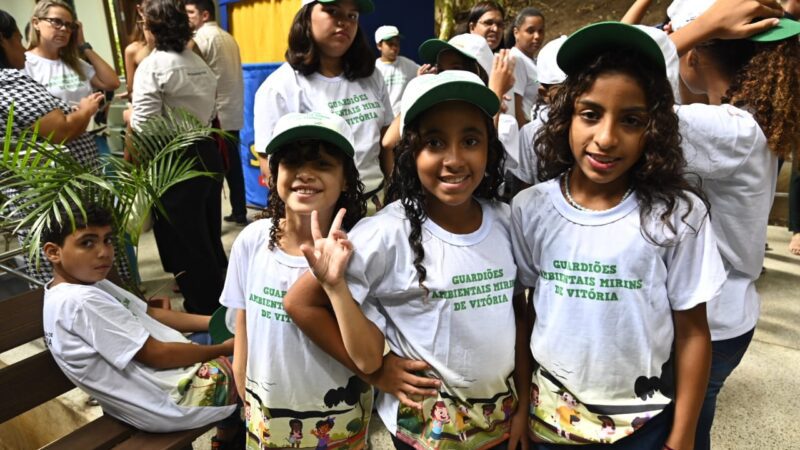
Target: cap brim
<point>464,91</point>
<point>398,35</point>
<point>218,326</point>
<point>430,49</point>
<point>785,29</point>
<point>588,42</point>
<point>306,132</point>
<point>364,6</point>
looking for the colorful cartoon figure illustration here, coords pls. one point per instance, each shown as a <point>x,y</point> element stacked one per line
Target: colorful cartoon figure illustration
<point>508,407</point>
<point>439,417</point>
<point>636,423</point>
<point>208,372</point>
<point>534,399</point>
<point>607,430</point>
<point>322,432</point>
<point>462,422</point>
<point>567,413</point>
<point>264,433</point>
<point>488,410</point>
<point>296,433</point>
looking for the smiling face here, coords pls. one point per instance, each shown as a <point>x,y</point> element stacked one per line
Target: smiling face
<point>452,161</point>
<point>334,27</point>
<point>490,26</point>
<point>607,131</point>
<point>310,179</point>
<point>48,29</point>
<point>85,257</point>
<point>530,35</point>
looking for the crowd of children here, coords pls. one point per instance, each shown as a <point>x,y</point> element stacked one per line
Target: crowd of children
<point>602,306</point>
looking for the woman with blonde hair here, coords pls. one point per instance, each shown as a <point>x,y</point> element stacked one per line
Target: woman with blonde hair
<point>54,56</point>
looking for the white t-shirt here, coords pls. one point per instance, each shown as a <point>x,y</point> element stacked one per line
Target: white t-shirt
<point>725,146</point>
<point>59,79</point>
<point>464,329</point>
<point>362,103</point>
<point>508,135</point>
<point>397,75</point>
<point>221,53</point>
<point>603,298</point>
<point>526,167</point>
<point>169,80</point>
<point>288,377</point>
<point>526,81</point>
<point>94,332</point>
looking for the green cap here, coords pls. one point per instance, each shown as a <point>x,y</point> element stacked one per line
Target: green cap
<point>591,40</point>
<point>426,91</point>
<point>325,127</point>
<point>364,6</point>
<point>222,325</point>
<point>785,29</point>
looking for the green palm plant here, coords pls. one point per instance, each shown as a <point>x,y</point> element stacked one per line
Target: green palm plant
<point>43,182</point>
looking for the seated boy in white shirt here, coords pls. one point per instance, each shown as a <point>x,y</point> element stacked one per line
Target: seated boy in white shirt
<point>132,358</point>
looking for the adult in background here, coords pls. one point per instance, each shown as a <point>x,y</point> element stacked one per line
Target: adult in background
<point>220,51</point>
<point>171,77</point>
<point>529,32</point>
<point>54,56</point>
<point>487,19</point>
<point>397,70</point>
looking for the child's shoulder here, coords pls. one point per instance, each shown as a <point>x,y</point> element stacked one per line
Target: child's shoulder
<point>688,215</point>
<point>64,293</point>
<point>255,233</point>
<point>534,196</point>
<point>717,121</point>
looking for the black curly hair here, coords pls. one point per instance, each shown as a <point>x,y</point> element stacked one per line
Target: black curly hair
<point>658,178</point>
<point>169,23</point>
<point>404,184</point>
<point>298,152</point>
<point>8,26</point>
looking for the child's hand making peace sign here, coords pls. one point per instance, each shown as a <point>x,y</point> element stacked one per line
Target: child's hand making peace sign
<point>329,256</point>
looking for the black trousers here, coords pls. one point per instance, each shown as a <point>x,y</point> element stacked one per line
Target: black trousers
<point>235,176</point>
<point>189,237</point>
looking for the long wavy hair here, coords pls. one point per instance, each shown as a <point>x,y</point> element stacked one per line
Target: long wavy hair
<point>169,23</point>
<point>659,177</point>
<point>765,80</point>
<point>303,53</point>
<point>299,152</point>
<point>69,53</point>
<point>406,186</point>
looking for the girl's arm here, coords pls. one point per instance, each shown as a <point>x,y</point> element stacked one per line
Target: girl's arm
<point>105,76</point>
<point>636,12</point>
<point>522,375</point>
<point>727,19</point>
<point>170,355</point>
<point>181,321</point>
<point>693,362</point>
<point>387,147</point>
<point>60,127</point>
<point>328,261</point>
<point>240,353</point>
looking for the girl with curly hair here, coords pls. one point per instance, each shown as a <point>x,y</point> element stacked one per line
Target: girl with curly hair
<point>311,170</point>
<point>618,249</point>
<point>330,67</point>
<point>433,274</point>
<point>173,77</point>
<point>733,144</point>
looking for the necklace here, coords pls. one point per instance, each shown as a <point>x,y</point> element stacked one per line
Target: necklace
<point>576,205</point>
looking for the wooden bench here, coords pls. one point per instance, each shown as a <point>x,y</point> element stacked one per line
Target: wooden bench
<point>37,379</point>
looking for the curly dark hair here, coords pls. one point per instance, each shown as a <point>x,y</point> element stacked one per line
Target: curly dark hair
<point>61,226</point>
<point>303,53</point>
<point>404,184</point>
<point>298,152</point>
<point>659,177</point>
<point>765,80</point>
<point>168,22</point>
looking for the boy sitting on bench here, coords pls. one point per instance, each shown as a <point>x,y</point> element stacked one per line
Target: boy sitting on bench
<point>132,358</point>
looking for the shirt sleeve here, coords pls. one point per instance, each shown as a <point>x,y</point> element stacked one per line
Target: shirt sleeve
<point>233,293</point>
<point>520,77</point>
<point>367,269</point>
<point>88,70</point>
<point>695,271</point>
<point>526,166</point>
<point>269,105</point>
<point>148,95</point>
<point>109,328</point>
<point>508,134</point>
<point>521,240</point>
<point>383,95</point>
<point>716,140</point>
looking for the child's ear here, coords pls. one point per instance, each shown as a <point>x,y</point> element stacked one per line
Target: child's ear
<point>52,252</point>
<point>692,59</point>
